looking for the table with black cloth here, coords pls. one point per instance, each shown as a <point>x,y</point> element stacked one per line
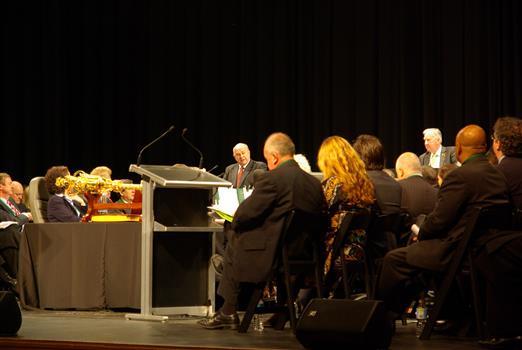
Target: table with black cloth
<point>80,265</point>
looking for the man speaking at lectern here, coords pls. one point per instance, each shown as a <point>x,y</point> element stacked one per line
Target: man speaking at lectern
<point>258,223</point>
<point>240,174</point>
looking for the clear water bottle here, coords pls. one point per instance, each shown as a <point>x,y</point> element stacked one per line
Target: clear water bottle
<point>258,323</point>
<point>421,316</point>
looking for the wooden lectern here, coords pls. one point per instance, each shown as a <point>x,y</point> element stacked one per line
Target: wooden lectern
<point>176,241</point>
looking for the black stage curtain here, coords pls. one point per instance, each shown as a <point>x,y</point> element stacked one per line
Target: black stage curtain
<point>86,83</point>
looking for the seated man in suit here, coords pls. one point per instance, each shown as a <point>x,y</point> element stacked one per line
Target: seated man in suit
<point>436,154</point>
<point>240,173</point>
<point>475,183</point>
<point>387,190</point>
<point>9,209</point>
<point>418,196</point>
<point>18,197</point>
<point>507,146</point>
<point>258,224</point>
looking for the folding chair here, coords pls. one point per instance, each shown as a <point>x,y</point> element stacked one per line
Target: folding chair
<point>383,229</point>
<point>480,221</point>
<point>308,229</point>
<point>358,219</point>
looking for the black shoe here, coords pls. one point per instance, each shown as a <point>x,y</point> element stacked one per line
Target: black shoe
<point>502,343</point>
<point>220,321</point>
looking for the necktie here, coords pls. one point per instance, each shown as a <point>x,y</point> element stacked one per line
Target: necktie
<point>15,210</point>
<point>239,176</point>
<point>434,160</point>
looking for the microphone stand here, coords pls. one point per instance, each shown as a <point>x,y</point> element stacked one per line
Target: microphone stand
<point>193,147</point>
<point>138,161</point>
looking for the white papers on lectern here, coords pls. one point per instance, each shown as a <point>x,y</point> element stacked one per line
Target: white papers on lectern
<point>228,200</point>
<point>6,224</point>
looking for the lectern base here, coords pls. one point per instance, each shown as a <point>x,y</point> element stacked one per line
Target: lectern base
<point>143,317</point>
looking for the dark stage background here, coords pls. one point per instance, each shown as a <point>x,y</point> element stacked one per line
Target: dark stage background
<point>86,83</point>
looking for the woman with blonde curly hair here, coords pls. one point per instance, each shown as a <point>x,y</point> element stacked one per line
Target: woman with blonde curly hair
<point>346,187</point>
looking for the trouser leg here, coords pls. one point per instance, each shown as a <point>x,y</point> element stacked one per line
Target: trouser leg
<point>228,286</point>
<point>395,274</point>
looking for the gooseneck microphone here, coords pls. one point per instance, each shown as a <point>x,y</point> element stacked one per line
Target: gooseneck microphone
<point>138,161</point>
<point>213,168</point>
<point>193,147</point>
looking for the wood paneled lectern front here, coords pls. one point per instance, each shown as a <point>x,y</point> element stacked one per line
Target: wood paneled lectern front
<point>177,241</point>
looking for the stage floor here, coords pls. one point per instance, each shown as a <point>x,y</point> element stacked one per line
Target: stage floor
<point>86,328</point>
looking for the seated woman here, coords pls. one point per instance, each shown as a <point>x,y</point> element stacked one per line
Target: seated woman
<point>346,187</point>
<point>61,208</point>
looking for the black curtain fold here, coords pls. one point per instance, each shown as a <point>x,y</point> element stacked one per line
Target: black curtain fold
<point>86,83</point>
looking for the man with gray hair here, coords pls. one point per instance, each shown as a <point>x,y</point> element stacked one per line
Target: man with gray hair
<point>418,196</point>
<point>240,172</point>
<point>436,154</point>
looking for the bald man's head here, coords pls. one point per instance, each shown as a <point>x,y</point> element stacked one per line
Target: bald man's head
<point>278,148</point>
<point>407,164</point>
<point>470,140</point>
<point>18,191</point>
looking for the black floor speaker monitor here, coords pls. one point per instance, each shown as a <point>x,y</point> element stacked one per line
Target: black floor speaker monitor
<point>344,323</point>
<point>10,315</point>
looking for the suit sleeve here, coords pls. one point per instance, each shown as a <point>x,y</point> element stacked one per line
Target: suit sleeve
<point>226,176</point>
<point>451,197</point>
<point>256,207</point>
<point>261,165</point>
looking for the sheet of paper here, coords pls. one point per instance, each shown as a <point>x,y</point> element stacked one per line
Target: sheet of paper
<point>5,224</point>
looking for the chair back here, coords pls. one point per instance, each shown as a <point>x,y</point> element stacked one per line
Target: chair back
<point>298,253</point>
<point>480,221</point>
<point>38,198</point>
<point>357,219</point>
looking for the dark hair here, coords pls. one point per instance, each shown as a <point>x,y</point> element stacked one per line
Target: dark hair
<point>429,174</point>
<point>50,178</point>
<point>508,131</point>
<point>446,169</point>
<point>370,150</point>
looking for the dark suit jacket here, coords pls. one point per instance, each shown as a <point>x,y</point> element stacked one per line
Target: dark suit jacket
<point>259,220</point>
<point>246,180</point>
<point>447,156</point>
<point>60,210</point>
<point>475,183</point>
<point>387,192</point>
<point>7,215</point>
<point>511,167</point>
<point>418,196</point>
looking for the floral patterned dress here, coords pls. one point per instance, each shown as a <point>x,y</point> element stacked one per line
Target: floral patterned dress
<point>338,206</point>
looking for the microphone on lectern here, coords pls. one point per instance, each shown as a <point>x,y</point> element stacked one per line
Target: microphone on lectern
<point>213,168</point>
<point>138,161</point>
<point>193,147</point>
